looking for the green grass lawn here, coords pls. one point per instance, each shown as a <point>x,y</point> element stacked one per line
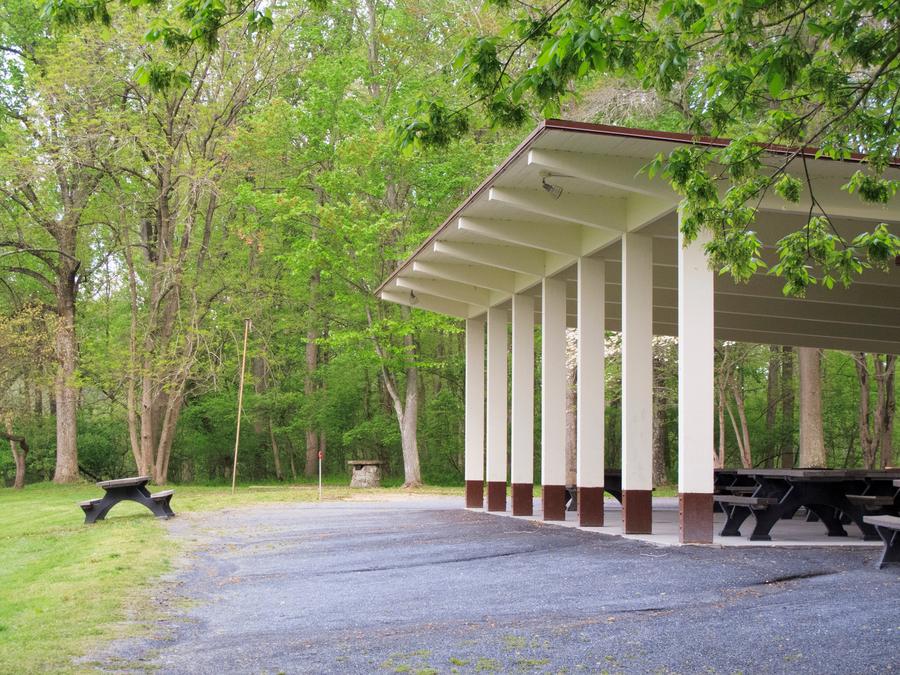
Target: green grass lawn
<point>65,587</point>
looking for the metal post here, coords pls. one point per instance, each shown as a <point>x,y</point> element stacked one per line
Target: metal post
<point>237,432</point>
<point>321,454</point>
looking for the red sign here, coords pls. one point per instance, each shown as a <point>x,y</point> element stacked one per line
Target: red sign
<point>321,455</point>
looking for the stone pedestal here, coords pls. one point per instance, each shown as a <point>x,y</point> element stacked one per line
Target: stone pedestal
<point>366,473</point>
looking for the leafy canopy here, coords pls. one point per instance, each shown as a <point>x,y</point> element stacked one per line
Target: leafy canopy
<point>822,73</point>
<point>797,73</point>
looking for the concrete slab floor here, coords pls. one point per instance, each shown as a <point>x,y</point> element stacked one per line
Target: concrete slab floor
<point>795,532</point>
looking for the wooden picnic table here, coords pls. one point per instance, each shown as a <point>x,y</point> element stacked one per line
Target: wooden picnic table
<point>832,495</point>
<point>127,489</point>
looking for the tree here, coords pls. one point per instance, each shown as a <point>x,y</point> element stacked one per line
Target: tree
<point>26,352</point>
<point>876,435</point>
<point>805,74</point>
<point>787,408</point>
<point>773,390</point>
<point>56,93</point>
<point>812,439</point>
<point>357,206</point>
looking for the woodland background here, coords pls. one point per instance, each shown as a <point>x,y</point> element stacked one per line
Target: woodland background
<point>147,213</point>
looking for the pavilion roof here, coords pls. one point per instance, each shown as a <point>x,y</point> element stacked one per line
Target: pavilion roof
<point>512,231</point>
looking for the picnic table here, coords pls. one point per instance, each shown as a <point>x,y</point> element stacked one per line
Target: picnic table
<point>833,495</point>
<point>127,489</point>
<point>612,483</point>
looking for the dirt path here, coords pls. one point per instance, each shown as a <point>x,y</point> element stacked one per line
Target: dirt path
<point>418,585</point>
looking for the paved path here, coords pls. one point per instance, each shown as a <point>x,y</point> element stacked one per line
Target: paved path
<point>423,586</point>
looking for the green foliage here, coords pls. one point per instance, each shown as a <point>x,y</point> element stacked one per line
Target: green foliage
<point>295,204</point>
<point>821,74</point>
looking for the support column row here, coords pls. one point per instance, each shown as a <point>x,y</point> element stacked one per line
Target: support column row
<point>497,399</point>
<point>553,399</point>
<point>474,422</point>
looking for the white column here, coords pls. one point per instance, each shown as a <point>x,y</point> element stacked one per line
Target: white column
<point>474,469</point>
<point>591,389</point>
<point>696,344</point>
<point>553,398</point>
<point>497,406</point>
<point>637,381</point>
<point>522,469</point>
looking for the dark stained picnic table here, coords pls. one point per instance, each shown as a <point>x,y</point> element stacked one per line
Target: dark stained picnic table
<point>612,483</point>
<point>127,489</point>
<point>830,494</point>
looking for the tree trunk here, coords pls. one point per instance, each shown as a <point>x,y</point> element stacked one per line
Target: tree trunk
<point>66,390</point>
<point>787,407</point>
<point>19,447</point>
<point>166,437</point>
<point>409,423</point>
<point>262,423</point>
<point>868,442</point>
<point>812,439</point>
<point>660,433</point>
<point>145,468</point>
<point>772,392</point>
<point>131,396</point>
<point>276,455</point>
<point>742,435</point>
<point>406,412</point>
<point>887,397</point>
<point>571,415</point>
<point>290,447</point>
<point>721,383</point>
<point>309,388</point>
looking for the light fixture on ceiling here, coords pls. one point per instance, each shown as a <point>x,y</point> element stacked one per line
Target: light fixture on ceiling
<point>553,189</point>
<point>413,300</point>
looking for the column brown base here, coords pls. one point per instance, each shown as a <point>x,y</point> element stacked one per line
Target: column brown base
<point>496,493</point>
<point>553,499</point>
<point>637,511</point>
<point>590,506</point>
<point>522,499</point>
<point>474,494</point>
<point>695,516</point>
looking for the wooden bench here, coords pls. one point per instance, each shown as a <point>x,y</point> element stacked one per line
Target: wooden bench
<point>888,528</point>
<point>871,501</point>
<point>163,498</point>
<point>127,489</point>
<point>737,508</point>
<point>738,500</point>
<point>739,489</point>
<point>90,504</point>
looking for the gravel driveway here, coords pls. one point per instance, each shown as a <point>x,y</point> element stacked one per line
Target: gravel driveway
<point>422,586</point>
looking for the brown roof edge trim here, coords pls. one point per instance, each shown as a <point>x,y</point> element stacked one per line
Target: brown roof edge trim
<point>485,184</point>
<point>673,136</point>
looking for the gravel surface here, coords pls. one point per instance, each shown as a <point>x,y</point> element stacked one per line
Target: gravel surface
<point>423,586</point>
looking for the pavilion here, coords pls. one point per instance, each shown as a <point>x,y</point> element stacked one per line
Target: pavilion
<point>568,232</point>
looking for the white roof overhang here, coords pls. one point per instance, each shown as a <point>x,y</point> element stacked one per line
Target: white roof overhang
<point>511,232</point>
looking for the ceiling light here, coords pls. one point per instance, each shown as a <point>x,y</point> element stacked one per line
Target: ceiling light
<point>554,190</point>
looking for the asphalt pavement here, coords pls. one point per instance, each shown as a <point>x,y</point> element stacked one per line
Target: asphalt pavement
<point>423,586</point>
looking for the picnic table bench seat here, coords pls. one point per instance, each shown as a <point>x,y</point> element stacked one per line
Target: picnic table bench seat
<point>741,500</point>
<point>888,528</point>
<point>89,504</point>
<point>127,489</point>
<point>739,489</point>
<point>873,501</point>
